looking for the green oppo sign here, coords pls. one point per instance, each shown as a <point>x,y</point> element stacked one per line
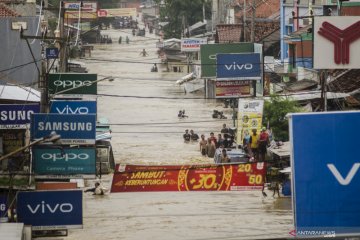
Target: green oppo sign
<point>208,55</point>
<point>79,83</point>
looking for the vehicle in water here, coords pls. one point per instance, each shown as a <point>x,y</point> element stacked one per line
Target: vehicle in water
<point>235,155</point>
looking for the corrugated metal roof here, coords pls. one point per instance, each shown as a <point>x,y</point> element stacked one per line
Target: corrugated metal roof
<point>8,92</point>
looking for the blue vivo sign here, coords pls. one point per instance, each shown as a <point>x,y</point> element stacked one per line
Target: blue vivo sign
<point>73,129</point>
<point>326,174</point>
<point>66,161</point>
<point>50,209</point>
<point>17,115</point>
<point>73,107</point>
<point>240,66</point>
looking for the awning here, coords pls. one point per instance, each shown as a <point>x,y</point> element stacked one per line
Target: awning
<point>186,78</point>
<point>26,94</point>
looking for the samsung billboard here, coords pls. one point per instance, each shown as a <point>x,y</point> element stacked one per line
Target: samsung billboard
<point>74,129</point>
<point>16,116</point>
<point>50,209</point>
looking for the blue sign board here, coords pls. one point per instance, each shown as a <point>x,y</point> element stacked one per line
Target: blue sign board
<point>52,53</point>
<point>16,116</point>
<point>50,209</point>
<point>66,162</point>
<point>326,174</point>
<point>73,107</point>
<point>240,66</point>
<point>73,129</point>
<point>3,206</point>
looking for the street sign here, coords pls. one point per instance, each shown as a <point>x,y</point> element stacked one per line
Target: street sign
<point>192,44</point>
<point>326,177</point>
<point>52,53</point>
<point>245,66</point>
<point>73,128</point>
<point>79,83</point>
<point>73,107</point>
<point>65,162</point>
<point>16,116</point>
<point>46,210</point>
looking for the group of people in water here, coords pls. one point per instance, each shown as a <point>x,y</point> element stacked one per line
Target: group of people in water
<point>254,143</point>
<point>209,145</point>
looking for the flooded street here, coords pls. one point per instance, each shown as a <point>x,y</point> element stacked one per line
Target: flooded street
<point>142,108</point>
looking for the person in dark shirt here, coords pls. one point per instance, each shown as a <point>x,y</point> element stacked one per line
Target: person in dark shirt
<point>187,136</point>
<point>193,136</point>
<point>97,190</point>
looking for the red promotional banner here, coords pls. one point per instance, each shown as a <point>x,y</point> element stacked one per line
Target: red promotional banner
<point>230,177</point>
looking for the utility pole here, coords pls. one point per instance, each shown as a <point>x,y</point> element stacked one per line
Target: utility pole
<point>63,47</point>
<point>244,20</point>
<point>253,22</point>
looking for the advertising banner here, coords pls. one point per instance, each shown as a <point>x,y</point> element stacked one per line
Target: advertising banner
<point>46,210</point>
<point>55,185</point>
<point>117,12</point>
<point>325,173</point>
<point>73,128</point>
<point>232,89</point>
<point>73,107</point>
<point>231,177</point>
<point>65,162</point>
<point>192,44</point>
<point>208,55</point>
<point>80,83</point>
<point>249,117</point>
<point>245,66</point>
<point>336,42</point>
<point>16,116</point>
<point>83,15</point>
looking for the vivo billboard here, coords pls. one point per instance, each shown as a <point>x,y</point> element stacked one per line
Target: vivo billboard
<point>245,66</point>
<point>325,173</point>
<point>50,209</point>
<point>73,128</point>
<point>336,42</point>
<point>16,116</point>
<point>72,83</point>
<point>73,107</point>
<point>65,162</point>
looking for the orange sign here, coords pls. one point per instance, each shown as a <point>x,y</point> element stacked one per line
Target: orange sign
<point>229,177</point>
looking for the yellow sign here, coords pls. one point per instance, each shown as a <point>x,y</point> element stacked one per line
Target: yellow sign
<point>75,15</point>
<point>249,117</point>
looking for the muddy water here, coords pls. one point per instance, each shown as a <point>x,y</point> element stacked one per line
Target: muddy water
<point>142,107</point>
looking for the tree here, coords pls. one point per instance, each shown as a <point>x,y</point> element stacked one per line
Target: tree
<point>275,112</point>
<point>181,14</point>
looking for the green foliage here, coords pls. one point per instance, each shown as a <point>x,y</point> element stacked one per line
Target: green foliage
<point>181,14</point>
<point>275,112</point>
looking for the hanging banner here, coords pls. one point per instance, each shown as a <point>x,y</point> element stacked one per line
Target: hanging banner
<point>230,177</point>
<point>192,44</point>
<point>249,117</point>
<point>117,12</point>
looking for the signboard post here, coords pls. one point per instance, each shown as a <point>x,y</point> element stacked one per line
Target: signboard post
<point>232,89</point>
<point>73,107</point>
<point>75,83</point>
<point>46,210</point>
<point>16,116</point>
<point>65,162</point>
<point>325,173</point>
<point>76,129</point>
